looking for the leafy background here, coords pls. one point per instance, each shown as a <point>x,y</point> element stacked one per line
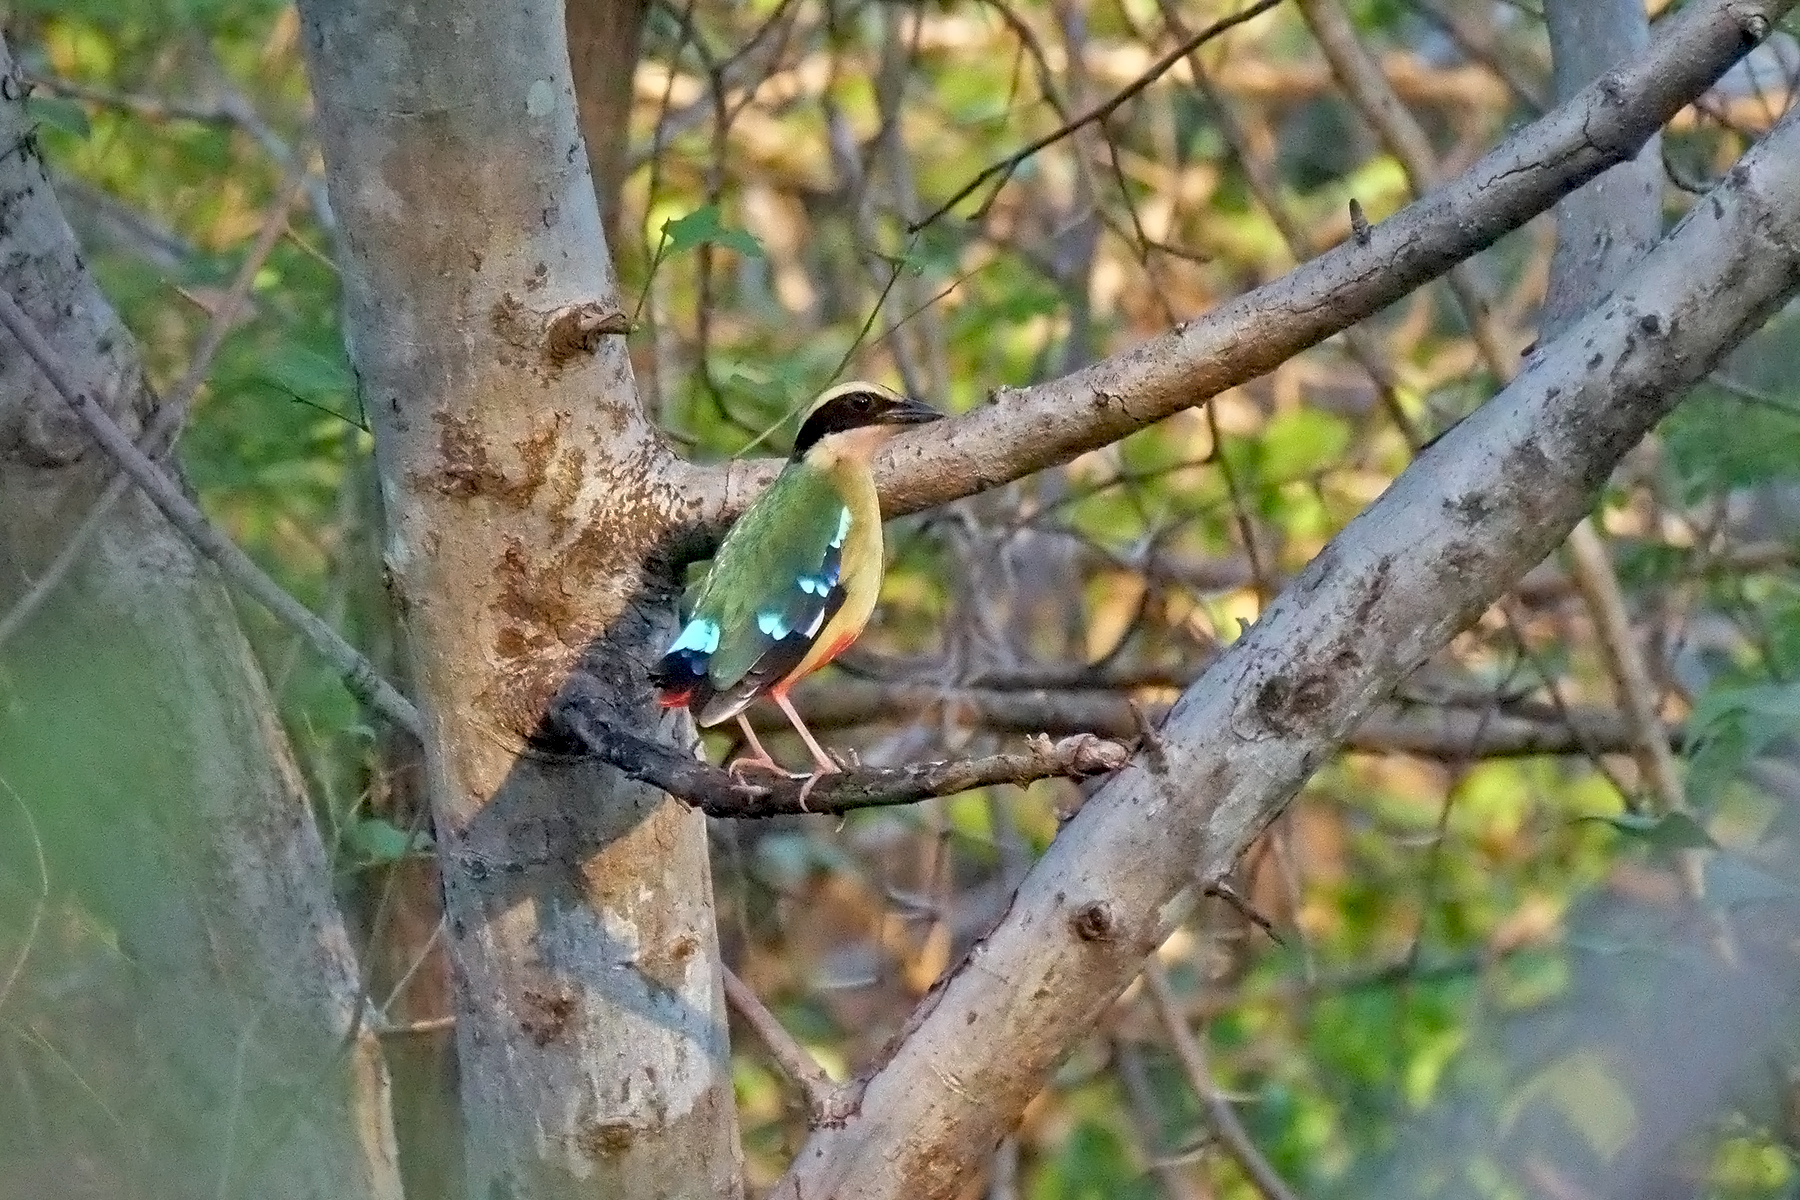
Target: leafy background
<point>1493,976</point>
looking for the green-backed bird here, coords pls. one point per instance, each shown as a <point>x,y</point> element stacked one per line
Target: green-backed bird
<point>796,578</point>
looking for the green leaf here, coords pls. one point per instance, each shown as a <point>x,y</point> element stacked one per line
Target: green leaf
<point>65,115</point>
<point>1671,831</point>
<point>702,227</point>
<point>301,371</point>
<point>1716,441</point>
<point>380,841</point>
<point>1295,445</point>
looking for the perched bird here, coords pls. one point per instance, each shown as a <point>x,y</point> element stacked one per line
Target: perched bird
<point>796,578</point>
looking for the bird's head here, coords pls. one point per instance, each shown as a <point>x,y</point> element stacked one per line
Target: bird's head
<point>854,419</point>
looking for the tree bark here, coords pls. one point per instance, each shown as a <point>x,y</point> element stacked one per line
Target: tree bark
<point>1469,517</point>
<point>529,560</point>
<point>137,730</point>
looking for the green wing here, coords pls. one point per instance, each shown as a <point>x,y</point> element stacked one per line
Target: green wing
<point>773,584</point>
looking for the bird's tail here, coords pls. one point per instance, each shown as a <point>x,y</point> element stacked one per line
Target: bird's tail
<point>680,679</point>
<point>680,676</point>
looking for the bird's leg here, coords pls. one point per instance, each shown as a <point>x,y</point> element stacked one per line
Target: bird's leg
<point>824,763</point>
<point>759,756</point>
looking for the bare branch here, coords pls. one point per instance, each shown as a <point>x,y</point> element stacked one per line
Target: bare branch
<point>1459,526</point>
<point>1192,1055</point>
<point>1006,166</point>
<point>1615,246</point>
<point>165,428</point>
<point>358,674</point>
<point>825,1100</point>
<point>1025,430</point>
<point>718,793</point>
<point>1427,731</point>
<point>1600,231</point>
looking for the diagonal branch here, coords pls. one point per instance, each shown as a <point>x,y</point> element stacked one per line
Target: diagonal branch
<point>1028,429</point>
<point>358,674</point>
<point>1190,1050</point>
<point>825,1100</point>
<point>1490,499</point>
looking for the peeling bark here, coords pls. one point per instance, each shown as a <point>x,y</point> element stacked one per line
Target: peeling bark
<point>529,561</point>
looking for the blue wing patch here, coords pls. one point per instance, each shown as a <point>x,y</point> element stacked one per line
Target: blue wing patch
<point>681,675</point>
<point>701,634</point>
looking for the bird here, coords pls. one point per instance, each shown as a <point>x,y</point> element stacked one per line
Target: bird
<point>796,578</point>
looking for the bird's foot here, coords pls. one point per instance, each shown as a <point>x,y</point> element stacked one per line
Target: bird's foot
<point>752,762</point>
<point>812,781</point>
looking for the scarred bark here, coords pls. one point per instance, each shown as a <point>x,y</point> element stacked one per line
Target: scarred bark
<point>526,550</point>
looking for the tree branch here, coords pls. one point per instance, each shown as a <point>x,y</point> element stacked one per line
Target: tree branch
<point>825,1100</point>
<point>358,674</point>
<point>1428,731</point>
<point>1006,166</point>
<point>718,793</point>
<point>1191,1052</point>
<point>1600,231</point>
<point>1581,216</point>
<point>1025,430</point>
<point>1459,526</point>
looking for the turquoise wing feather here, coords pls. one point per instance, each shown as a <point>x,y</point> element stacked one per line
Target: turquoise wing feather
<point>772,587</point>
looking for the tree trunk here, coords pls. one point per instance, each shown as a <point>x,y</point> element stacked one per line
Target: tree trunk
<point>527,550</point>
<point>138,734</point>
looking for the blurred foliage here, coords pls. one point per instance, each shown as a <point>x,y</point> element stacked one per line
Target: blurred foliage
<point>1493,978</point>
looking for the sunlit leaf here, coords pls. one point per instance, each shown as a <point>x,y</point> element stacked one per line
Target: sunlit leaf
<point>702,227</point>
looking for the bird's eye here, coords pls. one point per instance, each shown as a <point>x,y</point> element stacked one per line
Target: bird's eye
<point>862,403</point>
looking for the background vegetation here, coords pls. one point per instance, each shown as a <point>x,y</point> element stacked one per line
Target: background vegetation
<point>1492,972</point>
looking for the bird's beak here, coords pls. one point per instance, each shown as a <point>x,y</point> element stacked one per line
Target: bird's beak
<point>911,412</point>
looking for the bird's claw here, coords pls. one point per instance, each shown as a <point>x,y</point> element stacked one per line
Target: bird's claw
<point>807,787</point>
<point>737,767</point>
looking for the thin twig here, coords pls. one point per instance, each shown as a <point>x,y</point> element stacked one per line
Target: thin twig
<point>358,674</point>
<point>825,1100</point>
<point>165,427</point>
<point>1188,1049</point>
<point>1012,162</point>
<point>1142,1094</point>
<point>43,897</point>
